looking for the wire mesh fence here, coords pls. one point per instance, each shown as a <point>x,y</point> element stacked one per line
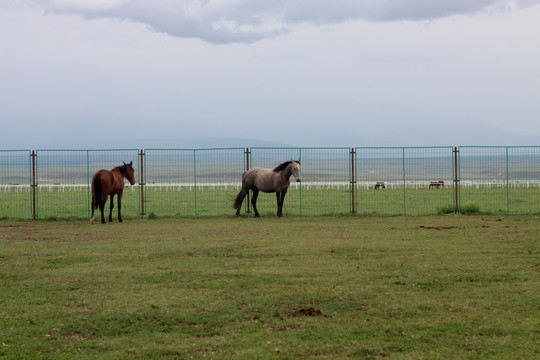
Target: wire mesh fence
<point>63,181</point>
<point>191,183</point>
<point>386,181</point>
<point>269,157</point>
<point>499,180</point>
<point>429,180</point>
<point>16,184</point>
<point>404,181</point>
<point>326,180</point>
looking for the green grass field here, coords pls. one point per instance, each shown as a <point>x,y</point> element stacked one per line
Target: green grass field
<point>436,287</point>
<point>306,201</point>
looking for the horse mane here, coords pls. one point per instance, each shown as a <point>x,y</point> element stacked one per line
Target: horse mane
<point>122,169</point>
<point>282,166</point>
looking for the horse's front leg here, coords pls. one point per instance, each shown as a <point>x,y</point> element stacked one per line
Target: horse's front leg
<point>120,207</point>
<point>279,204</point>
<point>280,199</point>
<point>111,206</point>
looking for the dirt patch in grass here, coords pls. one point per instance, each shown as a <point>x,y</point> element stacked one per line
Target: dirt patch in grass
<point>310,311</point>
<point>438,227</point>
<point>306,312</point>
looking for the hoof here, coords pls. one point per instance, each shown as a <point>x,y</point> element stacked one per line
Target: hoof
<point>92,221</point>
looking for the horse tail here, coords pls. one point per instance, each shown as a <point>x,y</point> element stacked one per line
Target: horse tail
<point>97,195</point>
<point>241,195</point>
<point>239,199</point>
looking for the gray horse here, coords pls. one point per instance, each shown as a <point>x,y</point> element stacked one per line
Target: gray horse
<point>268,181</point>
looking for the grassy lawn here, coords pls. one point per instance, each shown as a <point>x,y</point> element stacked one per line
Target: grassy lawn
<point>435,287</point>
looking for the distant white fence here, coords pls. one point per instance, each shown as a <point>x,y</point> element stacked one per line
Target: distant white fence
<point>306,185</point>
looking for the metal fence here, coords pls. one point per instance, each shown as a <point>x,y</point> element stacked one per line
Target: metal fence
<point>412,181</point>
<point>191,183</point>
<point>326,180</point>
<point>16,184</point>
<point>383,181</point>
<point>500,180</point>
<point>62,181</point>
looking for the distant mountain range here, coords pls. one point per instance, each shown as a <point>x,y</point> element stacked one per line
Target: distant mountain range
<point>407,134</point>
<point>204,143</point>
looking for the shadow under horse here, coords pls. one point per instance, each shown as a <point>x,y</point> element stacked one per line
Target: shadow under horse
<point>267,180</point>
<point>105,183</point>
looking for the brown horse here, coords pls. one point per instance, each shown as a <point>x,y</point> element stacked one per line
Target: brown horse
<point>105,183</point>
<point>268,181</point>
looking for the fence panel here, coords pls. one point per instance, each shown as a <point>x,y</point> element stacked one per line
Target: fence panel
<point>482,179</point>
<point>403,181</point>
<point>499,180</point>
<point>325,187</point>
<point>63,181</point>
<point>192,182</point>
<point>269,157</point>
<point>219,179</point>
<point>379,174</point>
<point>429,185</point>
<point>16,184</point>
<point>169,179</point>
<point>108,160</point>
<point>523,180</point>
<point>326,181</point>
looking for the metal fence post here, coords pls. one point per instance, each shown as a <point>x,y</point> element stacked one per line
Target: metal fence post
<point>507,185</point>
<point>34,215</point>
<point>195,178</point>
<point>300,187</point>
<point>404,182</point>
<point>456,180</point>
<point>353,184</point>
<point>141,183</point>
<point>88,185</point>
<point>247,168</point>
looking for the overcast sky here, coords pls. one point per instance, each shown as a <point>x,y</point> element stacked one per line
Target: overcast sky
<point>141,73</point>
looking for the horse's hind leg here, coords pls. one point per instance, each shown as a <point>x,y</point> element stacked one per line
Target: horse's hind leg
<point>93,207</point>
<point>111,206</point>
<point>119,207</point>
<point>254,201</point>
<point>102,208</point>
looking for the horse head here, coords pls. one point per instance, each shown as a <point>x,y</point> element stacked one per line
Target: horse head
<point>295,169</point>
<point>130,173</point>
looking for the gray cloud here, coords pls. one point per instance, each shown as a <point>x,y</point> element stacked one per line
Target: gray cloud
<point>226,21</point>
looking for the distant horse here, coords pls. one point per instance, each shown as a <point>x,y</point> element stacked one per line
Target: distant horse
<point>268,181</point>
<point>105,183</point>
<point>436,184</point>
<point>380,185</point>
